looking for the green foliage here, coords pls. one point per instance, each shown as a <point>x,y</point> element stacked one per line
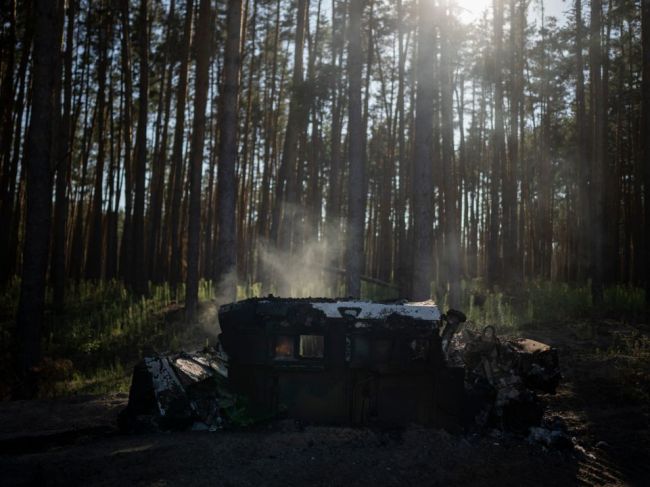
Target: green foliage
<point>542,302</point>
<point>377,292</point>
<point>103,331</point>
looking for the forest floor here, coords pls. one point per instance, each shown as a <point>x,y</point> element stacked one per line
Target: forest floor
<point>604,399</point>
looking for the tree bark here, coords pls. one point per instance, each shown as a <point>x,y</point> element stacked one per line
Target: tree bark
<point>452,231</point>
<point>202,41</point>
<point>356,187</point>
<point>286,194</point>
<point>58,268</point>
<point>140,281</point>
<point>126,252</point>
<point>511,270</point>
<point>423,164</point>
<point>582,159</point>
<point>95,251</point>
<point>176,174</point>
<point>597,133</point>
<point>160,155</point>
<point>645,132</point>
<point>498,155</point>
<point>226,183</point>
<point>29,319</point>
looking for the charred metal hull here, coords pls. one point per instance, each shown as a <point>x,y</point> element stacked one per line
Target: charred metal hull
<point>342,362</point>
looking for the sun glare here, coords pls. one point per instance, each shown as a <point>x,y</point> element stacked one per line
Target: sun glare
<point>469,10</point>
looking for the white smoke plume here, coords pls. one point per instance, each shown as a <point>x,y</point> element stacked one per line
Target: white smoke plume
<point>310,269</point>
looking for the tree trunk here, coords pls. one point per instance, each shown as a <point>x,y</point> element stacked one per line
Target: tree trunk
<point>511,162</point>
<point>645,133</point>
<point>498,151</point>
<point>597,133</point>
<point>63,171</point>
<point>404,280</point>
<point>582,160</point>
<point>95,253</point>
<point>202,41</point>
<point>452,231</point>
<point>356,187</point>
<point>176,174</point>
<point>140,284</point>
<point>126,252</point>
<point>423,165</point>
<point>39,165</point>
<point>286,195</point>
<point>160,155</point>
<point>226,184</point>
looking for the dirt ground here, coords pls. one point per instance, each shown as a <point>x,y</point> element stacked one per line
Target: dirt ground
<point>604,400</point>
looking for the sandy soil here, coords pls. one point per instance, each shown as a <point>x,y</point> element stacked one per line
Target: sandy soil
<point>603,400</point>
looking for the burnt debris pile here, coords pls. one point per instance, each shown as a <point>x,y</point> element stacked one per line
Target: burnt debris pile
<point>338,361</point>
<point>504,377</point>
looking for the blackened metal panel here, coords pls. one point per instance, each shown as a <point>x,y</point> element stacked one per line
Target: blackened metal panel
<point>313,396</point>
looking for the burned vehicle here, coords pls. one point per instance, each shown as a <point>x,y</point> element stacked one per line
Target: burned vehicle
<point>350,362</point>
<point>339,361</point>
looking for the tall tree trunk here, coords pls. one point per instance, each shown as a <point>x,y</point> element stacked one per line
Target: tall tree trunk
<point>357,177</point>
<point>126,245</point>
<point>510,175</point>
<point>286,194</point>
<point>333,205</point>
<point>403,263</point>
<point>95,253</point>
<point>498,147</point>
<point>611,174</point>
<point>202,41</point>
<point>423,165</point>
<point>140,284</point>
<point>582,159</point>
<point>451,230</point>
<point>544,238</point>
<point>114,190</point>
<point>270,128</point>
<point>597,133</point>
<point>39,165</point>
<point>226,185</point>
<point>160,155</point>
<point>176,174</point>
<point>645,133</point>
<point>64,164</point>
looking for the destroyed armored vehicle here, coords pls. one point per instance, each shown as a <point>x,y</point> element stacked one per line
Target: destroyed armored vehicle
<point>338,361</point>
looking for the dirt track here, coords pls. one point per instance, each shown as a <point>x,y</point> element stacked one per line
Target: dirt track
<point>603,400</point>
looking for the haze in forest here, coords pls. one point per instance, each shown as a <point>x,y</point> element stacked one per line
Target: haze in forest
<point>369,148</point>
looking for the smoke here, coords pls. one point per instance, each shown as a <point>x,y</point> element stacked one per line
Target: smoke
<point>310,268</point>
<point>226,289</point>
<point>208,323</point>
